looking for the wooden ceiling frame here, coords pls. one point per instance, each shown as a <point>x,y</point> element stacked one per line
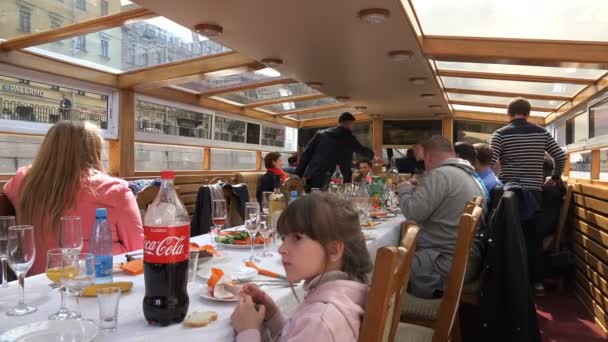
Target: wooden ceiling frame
<point>513,77</point>
<point>77,29</point>
<point>506,94</point>
<point>583,97</point>
<point>496,105</point>
<point>490,117</point>
<point>247,85</point>
<point>286,99</point>
<point>312,110</point>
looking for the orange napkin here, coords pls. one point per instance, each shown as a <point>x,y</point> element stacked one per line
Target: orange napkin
<point>263,271</point>
<point>134,267</point>
<point>216,275</point>
<point>195,247</point>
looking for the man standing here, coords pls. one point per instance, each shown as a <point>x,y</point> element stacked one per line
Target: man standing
<point>436,204</point>
<point>328,148</point>
<point>520,149</point>
<point>65,106</point>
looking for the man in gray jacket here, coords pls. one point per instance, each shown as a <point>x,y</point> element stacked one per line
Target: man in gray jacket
<point>436,203</point>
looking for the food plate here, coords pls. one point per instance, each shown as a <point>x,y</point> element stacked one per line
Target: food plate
<point>240,239</point>
<point>51,331</point>
<point>206,293</point>
<point>238,274</point>
<point>33,295</point>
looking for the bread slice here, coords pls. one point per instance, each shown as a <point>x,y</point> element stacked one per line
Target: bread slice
<point>199,319</point>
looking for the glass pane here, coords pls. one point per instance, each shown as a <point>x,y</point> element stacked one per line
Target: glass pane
<point>325,114</point>
<point>229,129</point>
<point>270,92</point>
<point>598,119</point>
<point>474,132</point>
<point>253,133</point>
<point>287,106</point>
<point>363,132</point>
<point>153,157</point>
<point>273,136</point>
<point>291,138</point>
<point>521,69</point>
<point>160,119</point>
<point>231,80</point>
<point>560,134</point>
<point>492,110</point>
<point>539,19</point>
<point>501,100</point>
<point>21,18</point>
<point>604,165</point>
<point>136,45</point>
<point>232,160</point>
<point>580,165</point>
<point>581,128</point>
<point>26,100</point>
<point>512,86</point>
<point>409,132</point>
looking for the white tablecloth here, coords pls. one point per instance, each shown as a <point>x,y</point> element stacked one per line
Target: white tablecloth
<point>131,323</point>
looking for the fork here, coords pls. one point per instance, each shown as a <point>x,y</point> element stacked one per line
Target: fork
<point>54,285</point>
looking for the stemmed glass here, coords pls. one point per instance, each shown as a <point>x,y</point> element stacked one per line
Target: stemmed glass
<point>252,224</point>
<point>5,222</point>
<point>218,216</point>
<point>266,230</point>
<point>54,268</point>
<point>21,255</point>
<point>78,272</point>
<point>70,235</point>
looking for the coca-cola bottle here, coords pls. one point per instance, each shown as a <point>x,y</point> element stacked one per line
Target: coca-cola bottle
<point>166,245</point>
<point>337,177</point>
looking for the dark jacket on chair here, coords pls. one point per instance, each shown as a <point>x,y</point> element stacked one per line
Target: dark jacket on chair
<point>506,304</point>
<point>201,219</point>
<point>268,182</point>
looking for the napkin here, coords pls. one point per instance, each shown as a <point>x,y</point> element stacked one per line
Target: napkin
<point>207,248</point>
<point>219,283</point>
<point>134,267</point>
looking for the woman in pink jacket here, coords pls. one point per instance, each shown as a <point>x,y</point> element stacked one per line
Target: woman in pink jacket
<point>324,246</point>
<point>67,179</point>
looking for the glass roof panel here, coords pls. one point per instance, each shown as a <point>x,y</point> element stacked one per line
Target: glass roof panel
<point>539,19</point>
<point>334,113</point>
<point>266,93</point>
<point>22,18</point>
<point>512,86</point>
<point>492,110</point>
<point>501,100</point>
<point>287,106</point>
<point>231,80</point>
<point>521,69</point>
<point>136,45</point>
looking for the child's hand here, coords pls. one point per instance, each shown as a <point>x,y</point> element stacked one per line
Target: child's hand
<point>247,315</point>
<point>259,297</point>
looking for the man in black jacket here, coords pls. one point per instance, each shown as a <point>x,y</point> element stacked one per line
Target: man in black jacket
<point>328,148</point>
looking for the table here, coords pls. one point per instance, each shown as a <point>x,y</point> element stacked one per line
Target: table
<point>133,327</point>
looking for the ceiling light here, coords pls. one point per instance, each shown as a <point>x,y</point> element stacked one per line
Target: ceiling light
<point>428,96</point>
<point>270,72</point>
<point>315,85</point>
<point>418,80</point>
<point>434,106</point>
<point>374,15</point>
<point>401,55</point>
<point>342,98</point>
<point>272,62</point>
<point>361,108</point>
<point>226,72</point>
<point>208,30</point>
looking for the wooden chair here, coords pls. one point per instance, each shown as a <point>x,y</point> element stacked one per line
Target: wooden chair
<point>442,314</point>
<point>145,197</point>
<point>391,274</point>
<point>552,242</point>
<point>292,184</point>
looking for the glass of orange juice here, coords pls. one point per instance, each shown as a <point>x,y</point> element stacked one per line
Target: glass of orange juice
<point>54,269</point>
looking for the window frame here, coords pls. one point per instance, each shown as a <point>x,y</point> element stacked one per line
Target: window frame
<point>25,19</point>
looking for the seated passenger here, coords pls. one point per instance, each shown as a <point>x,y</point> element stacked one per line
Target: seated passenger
<point>483,166</point>
<point>409,164</point>
<point>67,179</point>
<point>466,151</point>
<point>323,246</point>
<point>436,202</point>
<point>291,165</point>
<point>274,176</point>
<point>365,169</point>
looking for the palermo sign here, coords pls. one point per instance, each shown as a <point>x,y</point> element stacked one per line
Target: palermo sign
<point>11,88</point>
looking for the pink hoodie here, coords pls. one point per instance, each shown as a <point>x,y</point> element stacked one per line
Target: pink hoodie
<point>332,311</point>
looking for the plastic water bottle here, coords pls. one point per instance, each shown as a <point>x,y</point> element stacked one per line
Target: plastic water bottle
<point>293,196</point>
<point>100,245</point>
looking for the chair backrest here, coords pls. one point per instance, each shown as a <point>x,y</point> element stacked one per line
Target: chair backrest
<point>292,184</point>
<point>451,296</point>
<point>391,274</point>
<point>146,196</point>
<point>6,207</point>
<point>563,216</point>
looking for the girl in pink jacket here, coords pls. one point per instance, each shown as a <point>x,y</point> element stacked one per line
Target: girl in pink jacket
<point>324,246</point>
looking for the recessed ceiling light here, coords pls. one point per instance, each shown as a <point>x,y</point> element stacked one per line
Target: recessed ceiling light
<point>418,80</point>
<point>434,106</point>
<point>208,30</point>
<point>374,15</point>
<point>342,98</point>
<point>272,62</point>
<point>401,55</point>
<point>428,96</point>
<point>315,85</point>
<point>360,108</point>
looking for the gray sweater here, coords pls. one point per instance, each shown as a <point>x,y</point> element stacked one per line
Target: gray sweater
<point>437,203</point>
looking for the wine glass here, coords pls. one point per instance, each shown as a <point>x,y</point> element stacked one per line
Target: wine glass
<point>5,222</point>
<point>218,216</point>
<point>70,235</point>
<point>21,255</point>
<point>77,272</point>
<point>252,224</point>
<point>266,230</point>
<point>54,268</point>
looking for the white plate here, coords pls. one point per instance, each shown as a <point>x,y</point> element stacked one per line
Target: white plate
<point>226,245</point>
<point>34,294</point>
<point>51,331</point>
<point>238,274</point>
<point>206,293</point>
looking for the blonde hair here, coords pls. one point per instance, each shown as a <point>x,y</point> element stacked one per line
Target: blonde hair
<point>69,150</point>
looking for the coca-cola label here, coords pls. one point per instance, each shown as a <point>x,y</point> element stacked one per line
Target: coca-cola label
<point>166,245</point>
<point>337,180</point>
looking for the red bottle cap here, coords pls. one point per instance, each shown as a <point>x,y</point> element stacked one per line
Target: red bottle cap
<point>168,174</point>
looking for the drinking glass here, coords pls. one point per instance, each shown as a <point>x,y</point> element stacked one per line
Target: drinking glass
<point>252,224</point>
<point>192,265</point>
<point>21,255</point>
<point>108,299</point>
<point>54,267</point>
<point>315,190</point>
<point>70,234</point>
<point>266,230</point>
<point>78,272</point>
<point>218,216</point>
<point>5,222</point>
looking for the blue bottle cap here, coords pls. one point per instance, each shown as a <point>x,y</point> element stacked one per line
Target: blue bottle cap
<point>293,194</point>
<point>101,213</point>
